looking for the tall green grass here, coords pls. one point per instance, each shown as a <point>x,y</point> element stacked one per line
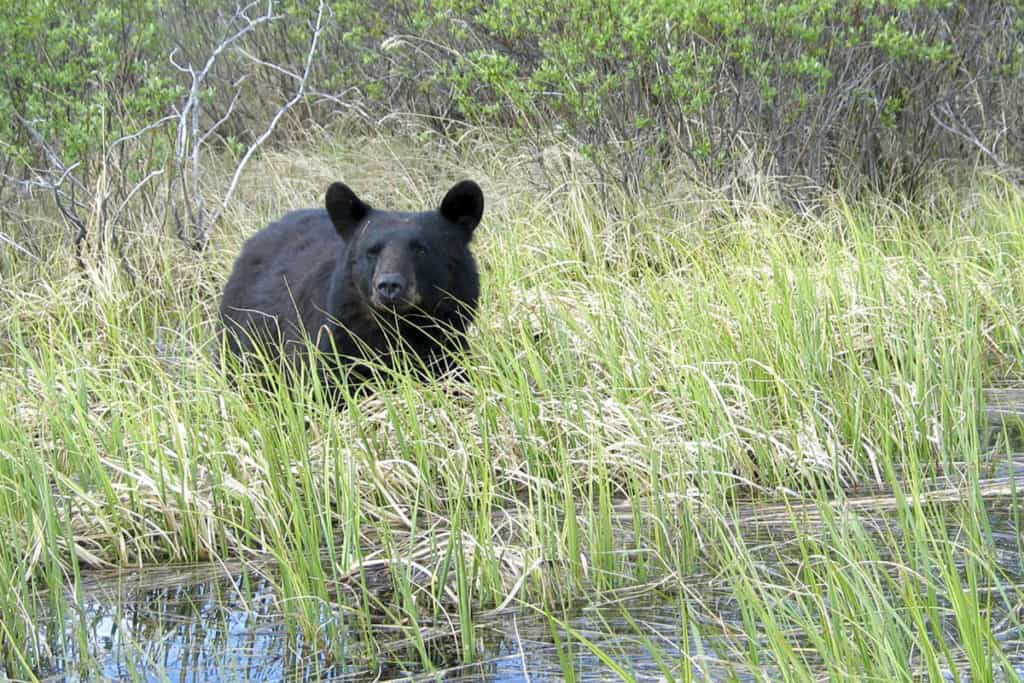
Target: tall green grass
<point>646,374</point>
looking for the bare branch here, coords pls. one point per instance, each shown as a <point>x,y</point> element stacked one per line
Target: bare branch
<point>321,96</point>
<point>71,216</point>
<point>132,193</point>
<point>189,142</point>
<point>24,185</point>
<point>299,94</point>
<point>270,65</point>
<point>7,240</point>
<point>54,158</point>
<point>67,174</point>
<point>334,99</point>
<point>27,186</point>
<point>227,114</point>
<point>142,131</point>
<point>61,198</point>
<point>957,126</point>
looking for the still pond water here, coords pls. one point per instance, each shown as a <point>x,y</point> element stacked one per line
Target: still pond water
<point>212,623</point>
<point>223,623</point>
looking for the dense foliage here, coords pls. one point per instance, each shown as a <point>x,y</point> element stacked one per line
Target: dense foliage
<point>818,93</point>
<point>827,90</point>
<point>80,73</point>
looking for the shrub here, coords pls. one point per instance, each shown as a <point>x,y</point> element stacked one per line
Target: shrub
<point>808,93</point>
<point>840,93</point>
<point>79,74</point>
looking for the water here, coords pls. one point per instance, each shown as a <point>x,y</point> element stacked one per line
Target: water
<point>211,627</point>
<point>216,623</point>
<point>223,628</point>
<point>225,623</point>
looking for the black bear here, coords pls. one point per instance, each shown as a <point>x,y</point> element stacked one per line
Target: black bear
<point>358,284</point>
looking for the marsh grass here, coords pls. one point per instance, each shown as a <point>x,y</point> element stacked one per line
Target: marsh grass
<point>643,371</point>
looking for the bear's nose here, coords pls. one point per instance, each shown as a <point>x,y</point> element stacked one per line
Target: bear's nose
<point>390,286</point>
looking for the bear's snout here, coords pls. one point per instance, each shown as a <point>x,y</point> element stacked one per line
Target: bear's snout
<point>390,287</point>
<point>394,291</point>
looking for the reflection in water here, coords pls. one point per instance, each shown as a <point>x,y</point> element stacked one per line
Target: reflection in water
<point>225,624</point>
<point>206,628</point>
<point>215,628</point>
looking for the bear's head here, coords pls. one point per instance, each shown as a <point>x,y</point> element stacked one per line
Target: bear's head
<point>401,262</point>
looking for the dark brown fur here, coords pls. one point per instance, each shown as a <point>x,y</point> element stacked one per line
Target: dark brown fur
<point>360,284</point>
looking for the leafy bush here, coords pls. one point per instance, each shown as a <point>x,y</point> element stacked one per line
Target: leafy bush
<point>809,93</point>
<point>831,91</point>
<point>80,73</point>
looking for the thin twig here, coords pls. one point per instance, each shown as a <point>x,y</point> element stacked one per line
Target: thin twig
<point>138,186</point>
<point>7,240</point>
<point>52,156</point>
<point>189,142</point>
<point>142,131</point>
<point>299,94</point>
<point>957,126</point>
<point>231,108</point>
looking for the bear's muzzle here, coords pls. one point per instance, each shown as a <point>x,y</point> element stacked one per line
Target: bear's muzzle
<point>394,292</point>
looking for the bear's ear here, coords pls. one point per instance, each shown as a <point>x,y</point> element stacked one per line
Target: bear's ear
<point>345,208</point>
<point>464,205</point>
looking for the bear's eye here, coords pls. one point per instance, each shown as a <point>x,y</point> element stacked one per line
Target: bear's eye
<point>419,248</point>
<point>374,251</point>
